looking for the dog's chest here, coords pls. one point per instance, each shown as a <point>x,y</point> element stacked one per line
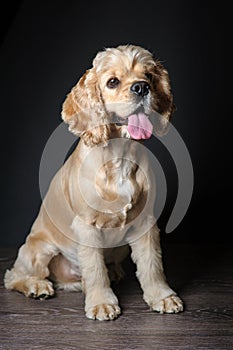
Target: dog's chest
<point>113,190</point>
<point>117,190</point>
<point>125,188</point>
<point>116,181</point>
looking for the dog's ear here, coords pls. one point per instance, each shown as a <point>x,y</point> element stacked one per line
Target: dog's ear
<point>163,100</point>
<point>84,110</point>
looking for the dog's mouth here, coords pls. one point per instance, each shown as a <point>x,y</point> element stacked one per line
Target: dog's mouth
<point>120,121</point>
<point>138,125</point>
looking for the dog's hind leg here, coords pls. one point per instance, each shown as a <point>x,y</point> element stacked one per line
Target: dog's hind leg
<point>30,271</point>
<point>64,274</point>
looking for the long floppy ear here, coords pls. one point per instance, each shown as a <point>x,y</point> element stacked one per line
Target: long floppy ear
<point>163,101</point>
<point>84,111</point>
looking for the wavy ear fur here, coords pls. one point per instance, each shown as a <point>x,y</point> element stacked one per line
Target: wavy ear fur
<point>84,111</point>
<point>164,99</point>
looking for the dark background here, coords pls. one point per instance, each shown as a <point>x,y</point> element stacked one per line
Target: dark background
<point>46,47</point>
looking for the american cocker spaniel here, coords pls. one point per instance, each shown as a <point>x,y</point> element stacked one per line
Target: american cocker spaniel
<point>92,216</point>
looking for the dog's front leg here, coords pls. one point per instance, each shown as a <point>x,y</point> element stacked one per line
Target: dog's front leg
<point>100,302</point>
<point>146,253</point>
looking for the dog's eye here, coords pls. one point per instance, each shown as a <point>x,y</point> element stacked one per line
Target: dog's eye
<point>149,76</point>
<point>113,83</point>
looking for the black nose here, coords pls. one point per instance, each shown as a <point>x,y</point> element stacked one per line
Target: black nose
<point>140,88</point>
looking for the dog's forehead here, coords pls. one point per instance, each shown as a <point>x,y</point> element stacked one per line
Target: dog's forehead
<point>123,68</point>
<point>123,58</point>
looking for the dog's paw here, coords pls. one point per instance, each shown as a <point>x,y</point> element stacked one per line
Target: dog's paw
<point>38,289</point>
<point>171,304</point>
<point>103,312</point>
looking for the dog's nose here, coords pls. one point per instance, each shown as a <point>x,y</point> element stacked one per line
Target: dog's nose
<point>140,88</point>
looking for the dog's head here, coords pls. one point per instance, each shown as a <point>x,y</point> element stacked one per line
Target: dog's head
<point>125,86</point>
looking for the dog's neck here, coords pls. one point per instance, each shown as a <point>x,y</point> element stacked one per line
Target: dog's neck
<point>116,166</point>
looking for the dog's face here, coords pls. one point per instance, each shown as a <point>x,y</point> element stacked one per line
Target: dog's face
<point>127,86</point>
<point>125,80</point>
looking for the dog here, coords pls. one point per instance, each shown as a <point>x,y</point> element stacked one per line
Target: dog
<point>105,184</point>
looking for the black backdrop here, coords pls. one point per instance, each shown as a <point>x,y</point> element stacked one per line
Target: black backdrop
<point>46,47</point>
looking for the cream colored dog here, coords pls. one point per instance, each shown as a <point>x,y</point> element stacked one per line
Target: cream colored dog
<point>105,190</point>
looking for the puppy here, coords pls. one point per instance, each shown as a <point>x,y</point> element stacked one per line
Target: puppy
<point>97,204</point>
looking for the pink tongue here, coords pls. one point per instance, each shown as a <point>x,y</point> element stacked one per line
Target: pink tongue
<point>139,126</point>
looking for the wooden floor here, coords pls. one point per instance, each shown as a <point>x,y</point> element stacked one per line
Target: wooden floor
<point>202,276</point>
